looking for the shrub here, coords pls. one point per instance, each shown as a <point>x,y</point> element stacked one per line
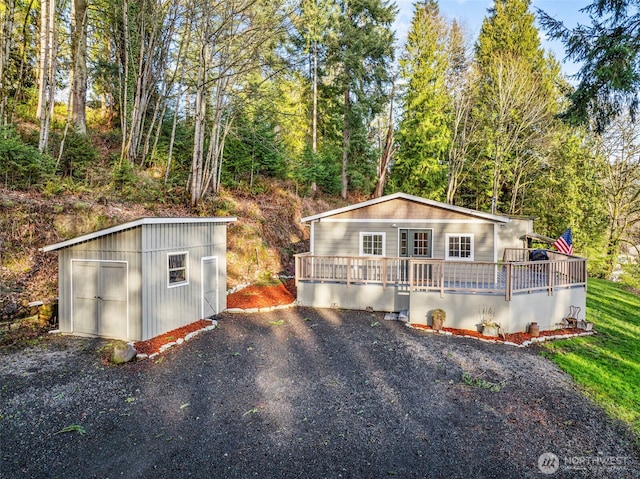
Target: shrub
<point>631,275</point>
<point>21,164</point>
<point>124,174</point>
<point>77,156</point>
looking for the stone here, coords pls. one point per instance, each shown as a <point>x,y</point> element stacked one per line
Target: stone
<point>164,347</point>
<point>123,353</point>
<point>191,335</point>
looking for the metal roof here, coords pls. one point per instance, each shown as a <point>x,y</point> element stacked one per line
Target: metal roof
<point>405,196</point>
<point>134,224</point>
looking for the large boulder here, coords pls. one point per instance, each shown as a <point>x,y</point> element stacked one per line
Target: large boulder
<point>123,353</point>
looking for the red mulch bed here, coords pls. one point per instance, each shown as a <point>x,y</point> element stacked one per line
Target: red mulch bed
<point>249,297</point>
<point>263,296</point>
<point>517,338</point>
<point>258,296</point>
<point>153,345</point>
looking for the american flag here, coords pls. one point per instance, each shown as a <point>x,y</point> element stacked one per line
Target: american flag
<point>564,244</point>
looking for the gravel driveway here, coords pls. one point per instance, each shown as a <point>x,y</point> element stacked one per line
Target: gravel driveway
<point>303,393</point>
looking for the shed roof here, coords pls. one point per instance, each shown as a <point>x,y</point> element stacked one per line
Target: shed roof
<point>133,224</point>
<point>407,197</point>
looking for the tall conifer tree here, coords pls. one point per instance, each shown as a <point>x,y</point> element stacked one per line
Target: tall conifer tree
<point>424,134</point>
<point>516,102</point>
<point>360,52</point>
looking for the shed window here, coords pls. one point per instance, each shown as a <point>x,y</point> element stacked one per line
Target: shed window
<point>459,247</point>
<point>372,244</point>
<point>177,269</point>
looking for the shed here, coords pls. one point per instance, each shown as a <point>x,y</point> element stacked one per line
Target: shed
<point>142,278</point>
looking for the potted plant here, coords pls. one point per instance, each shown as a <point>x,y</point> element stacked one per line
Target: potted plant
<point>488,323</point>
<point>438,316</point>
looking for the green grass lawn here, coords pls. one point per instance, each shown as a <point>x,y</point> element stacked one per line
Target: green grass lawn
<point>607,365</point>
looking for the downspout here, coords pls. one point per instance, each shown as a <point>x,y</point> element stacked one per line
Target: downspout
<point>495,242</point>
<point>312,248</point>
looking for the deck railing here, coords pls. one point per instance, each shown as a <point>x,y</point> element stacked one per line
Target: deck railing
<point>352,269</point>
<point>515,274</point>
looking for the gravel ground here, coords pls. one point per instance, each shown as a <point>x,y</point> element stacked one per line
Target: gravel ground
<point>303,393</point>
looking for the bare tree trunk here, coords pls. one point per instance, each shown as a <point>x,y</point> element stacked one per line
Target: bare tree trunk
<point>176,108</point>
<point>6,42</point>
<point>124,80</point>
<point>78,93</point>
<point>48,50</point>
<point>314,119</point>
<point>463,130</point>
<point>346,142</point>
<point>387,152</point>
<point>314,134</point>
<point>66,131</point>
<point>43,61</point>
<point>157,117</point>
<point>199,131</point>
<point>166,89</point>
<point>139,104</point>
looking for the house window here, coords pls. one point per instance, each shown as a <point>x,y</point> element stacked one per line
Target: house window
<point>372,244</point>
<point>421,243</point>
<point>177,267</point>
<point>404,243</point>
<point>459,247</point>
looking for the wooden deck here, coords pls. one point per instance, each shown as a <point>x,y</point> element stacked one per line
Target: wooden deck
<point>514,274</point>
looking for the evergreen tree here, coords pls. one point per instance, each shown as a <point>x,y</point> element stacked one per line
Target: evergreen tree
<point>609,51</point>
<point>509,29</point>
<point>424,133</point>
<point>516,102</point>
<point>360,51</point>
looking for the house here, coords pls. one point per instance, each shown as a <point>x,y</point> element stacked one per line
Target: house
<point>406,253</point>
<point>143,278</point>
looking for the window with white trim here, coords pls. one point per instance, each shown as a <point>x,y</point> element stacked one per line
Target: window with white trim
<point>177,269</point>
<point>459,247</point>
<point>372,244</point>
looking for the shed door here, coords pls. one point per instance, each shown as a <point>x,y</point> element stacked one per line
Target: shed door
<point>209,286</point>
<point>99,303</point>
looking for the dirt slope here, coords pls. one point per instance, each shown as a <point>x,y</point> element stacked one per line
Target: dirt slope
<point>260,244</point>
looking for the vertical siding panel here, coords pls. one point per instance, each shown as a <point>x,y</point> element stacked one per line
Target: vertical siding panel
<point>153,307</point>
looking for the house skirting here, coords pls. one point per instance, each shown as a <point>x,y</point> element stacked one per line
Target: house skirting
<point>463,309</point>
<point>355,296</point>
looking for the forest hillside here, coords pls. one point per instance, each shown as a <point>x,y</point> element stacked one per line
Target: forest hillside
<point>261,244</point>
<point>268,111</point>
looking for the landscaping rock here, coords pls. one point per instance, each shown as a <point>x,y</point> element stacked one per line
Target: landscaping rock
<point>123,353</point>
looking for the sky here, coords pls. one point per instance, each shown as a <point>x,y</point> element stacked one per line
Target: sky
<point>471,13</point>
